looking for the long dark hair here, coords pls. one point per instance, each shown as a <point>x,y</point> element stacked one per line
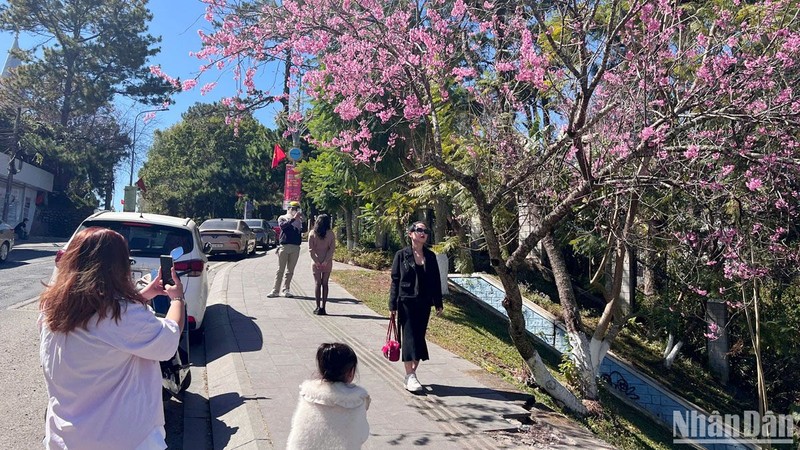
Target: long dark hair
<point>322,225</point>
<point>413,226</point>
<point>335,361</point>
<point>94,274</point>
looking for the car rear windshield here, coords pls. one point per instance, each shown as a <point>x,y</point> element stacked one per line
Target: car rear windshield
<point>219,225</point>
<point>255,223</point>
<point>148,240</point>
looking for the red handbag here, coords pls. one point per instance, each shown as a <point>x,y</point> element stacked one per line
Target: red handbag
<point>391,349</point>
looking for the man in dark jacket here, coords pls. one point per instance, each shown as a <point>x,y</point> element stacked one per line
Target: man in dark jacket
<point>291,225</point>
<point>20,229</point>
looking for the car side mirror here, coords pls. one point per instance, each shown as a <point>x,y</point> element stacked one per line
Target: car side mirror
<point>206,247</point>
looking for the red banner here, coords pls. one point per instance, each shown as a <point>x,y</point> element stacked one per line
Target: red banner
<point>291,186</point>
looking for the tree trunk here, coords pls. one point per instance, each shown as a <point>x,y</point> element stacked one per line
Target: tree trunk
<point>754,327</point>
<point>519,334</point>
<point>356,228</point>
<point>671,351</point>
<point>439,220</point>
<point>109,193</point>
<point>648,258</point>
<point>380,236</point>
<point>581,348</point>
<point>348,227</point>
<point>287,78</point>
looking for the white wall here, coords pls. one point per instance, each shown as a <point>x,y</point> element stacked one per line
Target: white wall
<point>24,187</point>
<point>30,176</point>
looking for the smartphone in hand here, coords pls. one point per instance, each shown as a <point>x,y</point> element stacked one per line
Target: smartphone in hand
<point>166,269</point>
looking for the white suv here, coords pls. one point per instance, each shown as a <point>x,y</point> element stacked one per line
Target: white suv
<point>151,235</point>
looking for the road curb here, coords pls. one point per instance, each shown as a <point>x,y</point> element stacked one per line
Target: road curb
<point>236,421</point>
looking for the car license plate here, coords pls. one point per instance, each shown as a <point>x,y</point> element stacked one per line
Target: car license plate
<point>216,245</point>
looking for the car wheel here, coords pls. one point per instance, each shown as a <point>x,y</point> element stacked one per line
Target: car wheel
<point>186,381</point>
<point>3,252</point>
<point>170,373</point>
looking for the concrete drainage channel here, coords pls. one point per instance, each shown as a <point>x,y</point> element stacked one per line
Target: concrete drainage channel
<point>641,392</point>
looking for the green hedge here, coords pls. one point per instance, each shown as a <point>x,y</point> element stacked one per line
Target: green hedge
<point>368,258</point>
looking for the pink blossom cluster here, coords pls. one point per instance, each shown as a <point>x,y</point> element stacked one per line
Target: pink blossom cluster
<point>713,332</point>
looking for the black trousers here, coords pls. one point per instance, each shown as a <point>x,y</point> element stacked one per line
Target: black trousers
<point>412,322</point>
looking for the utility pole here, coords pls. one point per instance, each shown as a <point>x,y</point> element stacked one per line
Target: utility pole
<point>12,168</point>
<point>131,189</point>
<point>12,62</point>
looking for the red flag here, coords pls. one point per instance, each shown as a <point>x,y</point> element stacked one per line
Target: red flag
<point>277,156</point>
<point>140,185</point>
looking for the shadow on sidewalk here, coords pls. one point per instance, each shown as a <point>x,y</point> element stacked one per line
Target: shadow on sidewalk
<point>343,301</point>
<point>246,337</point>
<point>223,404</point>
<point>483,393</point>
<point>334,313</point>
<point>19,256</point>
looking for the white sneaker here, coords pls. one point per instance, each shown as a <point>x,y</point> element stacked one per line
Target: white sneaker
<point>272,294</point>
<point>412,383</point>
<point>287,294</point>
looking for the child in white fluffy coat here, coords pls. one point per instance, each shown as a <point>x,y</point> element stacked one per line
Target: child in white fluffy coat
<point>331,413</point>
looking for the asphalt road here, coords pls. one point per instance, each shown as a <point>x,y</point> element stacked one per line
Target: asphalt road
<point>23,397</point>
<point>22,275</point>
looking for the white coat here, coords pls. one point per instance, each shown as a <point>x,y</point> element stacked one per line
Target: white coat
<point>330,416</point>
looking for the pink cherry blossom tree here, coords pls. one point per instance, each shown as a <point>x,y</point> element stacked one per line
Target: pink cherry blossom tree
<point>556,109</point>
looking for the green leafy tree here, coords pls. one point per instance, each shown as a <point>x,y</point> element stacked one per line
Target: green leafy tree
<point>196,167</point>
<point>91,52</point>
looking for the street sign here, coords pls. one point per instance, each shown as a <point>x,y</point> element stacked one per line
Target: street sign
<point>295,154</point>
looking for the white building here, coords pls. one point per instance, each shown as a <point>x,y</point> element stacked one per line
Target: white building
<point>29,186</point>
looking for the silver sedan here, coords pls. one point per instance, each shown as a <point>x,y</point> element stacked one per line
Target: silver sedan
<point>228,236</point>
<point>6,240</point>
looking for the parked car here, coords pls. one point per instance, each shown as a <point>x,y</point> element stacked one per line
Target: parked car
<point>265,234</point>
<point>228,236</point>
<point>151,235</point>
<point>274,225</point>
<point>6,240</point>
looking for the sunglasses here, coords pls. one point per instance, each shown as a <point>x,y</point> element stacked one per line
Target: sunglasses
<point>422,230</point>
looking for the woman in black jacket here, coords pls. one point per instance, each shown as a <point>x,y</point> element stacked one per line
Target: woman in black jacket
<point>416,287</point>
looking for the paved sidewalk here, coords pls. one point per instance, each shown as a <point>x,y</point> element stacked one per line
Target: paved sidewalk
<point>260,349</point>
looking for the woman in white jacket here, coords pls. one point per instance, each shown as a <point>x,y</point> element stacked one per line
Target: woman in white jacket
<point>331,413</point>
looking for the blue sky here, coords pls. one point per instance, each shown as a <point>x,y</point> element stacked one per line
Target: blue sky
<point>177,22</point>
